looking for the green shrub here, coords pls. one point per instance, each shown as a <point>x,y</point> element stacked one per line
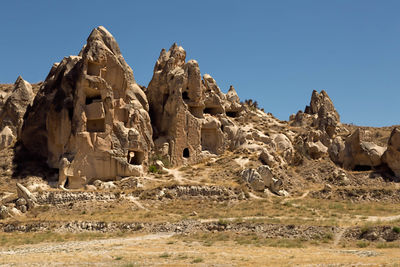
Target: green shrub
<point>165,255</point>
<point>365,229</point>
<point>153,169</point>
<point>396,229</point>
<point>222,222</point>
<point>197,260</point>
<point>362,244</point>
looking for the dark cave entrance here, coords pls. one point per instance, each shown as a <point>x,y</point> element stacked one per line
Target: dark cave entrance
<point>186,153</point>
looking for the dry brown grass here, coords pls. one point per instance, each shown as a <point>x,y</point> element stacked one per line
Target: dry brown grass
<point>202,251</point>
<point>16,239</point>
<point>305,211</point>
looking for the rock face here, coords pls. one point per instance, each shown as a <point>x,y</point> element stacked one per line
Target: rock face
<point>358,154</point>
<point>189,114</point>
<point>90,118</point>
<point>13,110</point>
<point>392,154</point>
<point>336,150</point>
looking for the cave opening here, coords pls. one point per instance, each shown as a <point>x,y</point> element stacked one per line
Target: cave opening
<point>212,111</point>
<point>90,99</point>
<point>232,114</point>
<point>361,168</point>
<point>186,153</point>
<point>96,125</point>
<point>185,95</point>
<point>135,157</point>
<point>93,69</point>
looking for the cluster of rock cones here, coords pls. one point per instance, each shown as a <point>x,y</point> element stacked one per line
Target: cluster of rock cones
<point>92,121</point>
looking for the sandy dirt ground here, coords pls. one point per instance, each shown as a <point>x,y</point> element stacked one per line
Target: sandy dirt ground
<point>166,250</point>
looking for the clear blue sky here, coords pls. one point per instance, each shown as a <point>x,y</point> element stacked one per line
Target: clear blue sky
<point>276,52</point>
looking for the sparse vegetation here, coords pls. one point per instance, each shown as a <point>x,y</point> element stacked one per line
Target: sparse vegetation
<point>198,260</point>
<point>362,244</point>
<point>153,169</point>
<point>165,255</point>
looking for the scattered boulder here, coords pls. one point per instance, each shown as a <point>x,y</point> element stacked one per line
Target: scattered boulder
<point>360,155</point>
<point>23,208</point>
<point>341,176</point>
<point>90,187</point>
<point>316,149</point>
<point>160,166</point>
<point>254,179</point>
<point>17,212</point>
<point>274,185</point>
<point>20,202</point>
<point>261,178</point>
<point>104,185</point>
<point>392,155</point>
<point>24,193</point>
<point>283,146</point>
<point>4,213</point>
<point>267,158</point>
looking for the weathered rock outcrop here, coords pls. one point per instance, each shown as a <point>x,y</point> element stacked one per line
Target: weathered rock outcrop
<point>13,110</point>
<point>316,149</point>
<point>90,118</point>
<point>392,155</point>
<point>323,119</point>
<point>327,116</point>
<point>358,154</point>
<point>188,113</point>
<point>320,114</point>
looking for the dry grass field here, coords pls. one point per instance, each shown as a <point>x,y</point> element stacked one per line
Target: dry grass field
<point>200,250</point>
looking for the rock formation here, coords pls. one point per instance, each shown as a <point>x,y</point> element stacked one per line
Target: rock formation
<point>320,114</point>
<point>392,154</point>
<point>355,153</point>
<point>323,121</point>
<point>189,114</point>
<point>13,110</point>
<point>90,118</point>
<point>327,117</point>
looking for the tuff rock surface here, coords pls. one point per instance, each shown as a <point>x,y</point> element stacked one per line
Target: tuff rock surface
<point>392,155</point>
<point>13,110</point>
<point>189,114</point>
<point>90,118</point>
<point>358,153</point>
<point>321,115</point>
